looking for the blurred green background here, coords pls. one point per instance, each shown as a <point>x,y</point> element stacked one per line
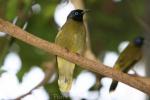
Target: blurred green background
<point>109,24</point>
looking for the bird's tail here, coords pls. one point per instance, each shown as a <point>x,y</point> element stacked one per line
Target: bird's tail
<point>66,69</point>
<point>113,86</point>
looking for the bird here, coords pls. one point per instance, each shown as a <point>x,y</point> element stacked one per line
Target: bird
<point>128,58</point>
<point>71,36</point>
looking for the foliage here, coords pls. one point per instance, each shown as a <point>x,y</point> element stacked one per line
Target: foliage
<point>109,24</point>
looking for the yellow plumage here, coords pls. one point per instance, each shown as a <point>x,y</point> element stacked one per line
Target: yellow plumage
<point>72,37</point>
<point>129,57</point>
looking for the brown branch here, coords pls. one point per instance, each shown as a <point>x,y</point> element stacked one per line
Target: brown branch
<point>136,82</point>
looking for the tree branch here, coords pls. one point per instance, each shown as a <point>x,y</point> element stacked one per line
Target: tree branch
<point>142,84</point>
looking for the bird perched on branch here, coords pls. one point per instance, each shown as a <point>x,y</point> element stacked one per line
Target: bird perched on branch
<point>71,36</point>
<point>129,57</point>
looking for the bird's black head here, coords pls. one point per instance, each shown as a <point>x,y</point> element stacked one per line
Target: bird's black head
<point>76,15</point>
<point>138,41</point>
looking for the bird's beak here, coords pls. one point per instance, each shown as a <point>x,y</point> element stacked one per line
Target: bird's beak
<point>86,11</point>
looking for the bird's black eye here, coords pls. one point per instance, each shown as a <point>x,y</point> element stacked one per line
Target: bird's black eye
<point>139,41</point>
<point>76,13</point>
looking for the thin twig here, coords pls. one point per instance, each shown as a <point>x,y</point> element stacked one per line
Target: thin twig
<point>48,73</point>
<point>136,82</point>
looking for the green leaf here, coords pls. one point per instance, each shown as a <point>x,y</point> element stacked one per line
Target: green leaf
<point>11,9</point>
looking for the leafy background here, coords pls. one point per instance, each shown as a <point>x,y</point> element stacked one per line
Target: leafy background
<point>109,23</point>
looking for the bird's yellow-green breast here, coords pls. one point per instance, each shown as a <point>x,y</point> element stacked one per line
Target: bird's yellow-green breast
<point>72,37</point>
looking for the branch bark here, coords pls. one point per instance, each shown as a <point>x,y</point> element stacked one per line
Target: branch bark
<point>140,83</point>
